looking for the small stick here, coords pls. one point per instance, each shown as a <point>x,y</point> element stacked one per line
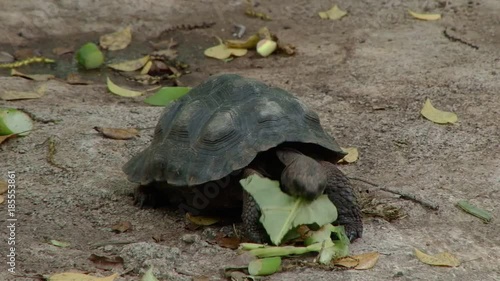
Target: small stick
<point>407,196</point>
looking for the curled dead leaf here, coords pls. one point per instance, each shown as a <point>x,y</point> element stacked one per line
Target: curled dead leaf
<point>440,259</point>
<point>202,220</point>
<point>117,134</point>
<point>117,40</point>
<point>117,90</point>
<point>228,242</point>
<point>436,115</point>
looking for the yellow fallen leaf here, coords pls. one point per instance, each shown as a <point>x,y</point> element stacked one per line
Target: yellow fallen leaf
<point>202,220</point>
<point>352,155</point>
<point>333,14</point>
<point>349,262</point>
<point>117,40</point>
<point>36,77</point>
<point>441,259</point>
<point>437,116</point>
<point>131,65</point>
<point>3,185</point>
<point>425,16</point>
<point>222,52</point>
<point>70,276</point>
<point>117,90</point>
<point>145,70</point>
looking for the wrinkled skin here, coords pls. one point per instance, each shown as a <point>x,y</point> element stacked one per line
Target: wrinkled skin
<point>300,175</point>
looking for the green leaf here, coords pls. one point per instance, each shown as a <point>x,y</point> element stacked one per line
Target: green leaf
<point>148,275</point>
<point>59,243</point>
<point>330,249</point>
<point>282,212</point>
<point>13,121</point>
<point>166,95</point>
<point>262,267</point>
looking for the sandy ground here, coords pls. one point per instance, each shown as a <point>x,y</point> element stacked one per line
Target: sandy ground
<point>367,75</point>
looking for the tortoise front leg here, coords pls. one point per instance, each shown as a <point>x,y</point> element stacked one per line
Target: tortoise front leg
<point>250,215</point>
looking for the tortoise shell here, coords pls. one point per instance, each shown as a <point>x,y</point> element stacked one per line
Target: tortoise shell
<point>220,126</point>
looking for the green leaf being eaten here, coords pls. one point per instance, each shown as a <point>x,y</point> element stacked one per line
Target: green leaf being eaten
<point>282,212</point>
<point>166,95</point>
<point>332,249</point>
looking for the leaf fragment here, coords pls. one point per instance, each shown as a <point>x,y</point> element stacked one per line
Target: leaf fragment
<point>6,137</point>
<point>366,260</point>
<point>117,40</point>
<point>229,242</point>
<point>23,95</point>
<point>436,115</point>
<point>428,17</point>
<point>166,95</point>
<point>147,67</point>
<point>473,210</point>
<point>202,220</point>
<point>60,244</point>
<point>130,65</point>
<point>35,77</point>
<point>117,90</point>
<point>281,212</point>
<point>117,133</point>
<point>441,259</point>
<point>335,13</point>
<point>250,43</point>
<point>70,276</point>
<point>352,155</point>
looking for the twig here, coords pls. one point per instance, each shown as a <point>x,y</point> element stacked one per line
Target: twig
<point>456,39</point>
<point>407,196</point>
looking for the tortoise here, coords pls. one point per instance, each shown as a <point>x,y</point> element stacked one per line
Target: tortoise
<point>228,128</point>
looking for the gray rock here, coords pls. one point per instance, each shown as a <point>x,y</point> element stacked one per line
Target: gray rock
<point>135,255</point>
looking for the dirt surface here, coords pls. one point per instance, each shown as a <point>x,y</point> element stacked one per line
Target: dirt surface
<point>367,75</point>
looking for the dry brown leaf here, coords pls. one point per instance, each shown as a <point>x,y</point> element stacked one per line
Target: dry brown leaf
<point>63,50</point>
<point>117,134</point>
<point>202,220</point>
<point>4,138</point>
<point>76,79</point>
<point>359,262</point>
<point>122,226</point>
<point>2,199</point>
<point>36,77</point>
<point>440,259</point>
<point>3,186</point>
<point>349,262</point>
<point>117,40</point>
<point>229,242</point>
